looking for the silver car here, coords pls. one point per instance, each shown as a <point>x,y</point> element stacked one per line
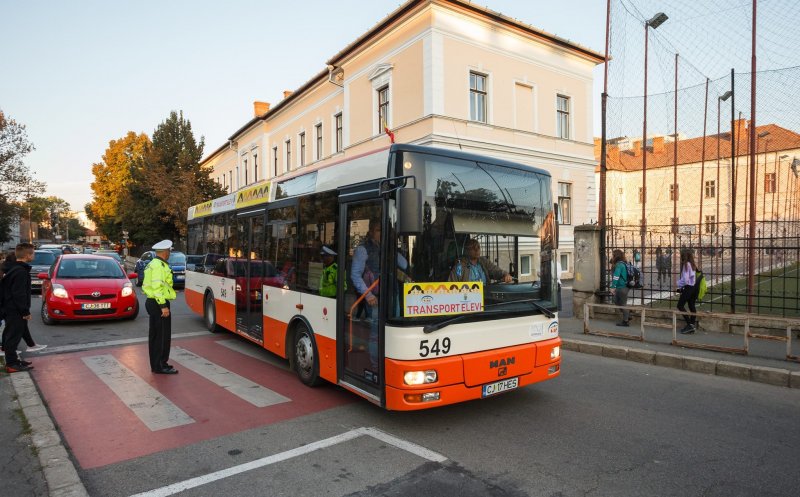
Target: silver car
<point>42,260</point>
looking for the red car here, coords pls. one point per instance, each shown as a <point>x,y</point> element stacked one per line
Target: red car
<point>87,287</point>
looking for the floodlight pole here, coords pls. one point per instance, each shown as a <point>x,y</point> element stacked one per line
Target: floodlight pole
<point>751,253</point>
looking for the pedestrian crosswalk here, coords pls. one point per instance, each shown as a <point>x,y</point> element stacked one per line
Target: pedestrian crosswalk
<point>239,386</point>
<point>152,409</point>
<point>111,408</point>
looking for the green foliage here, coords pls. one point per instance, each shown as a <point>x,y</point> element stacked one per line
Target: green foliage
<point>147,187</point>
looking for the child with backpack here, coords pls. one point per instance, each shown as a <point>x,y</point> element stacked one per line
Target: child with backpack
<point>619,285</point>
<point>688,290</point>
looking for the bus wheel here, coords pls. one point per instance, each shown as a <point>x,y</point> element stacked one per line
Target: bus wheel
<point>210,314</point>
<point>306,362</point>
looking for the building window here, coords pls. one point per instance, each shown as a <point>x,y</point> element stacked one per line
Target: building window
<point>230,181</point>
<point>338,120</point>
<point>477,97</point>
<point>255,167</point>
<point>244,166</point>
<point>620,191</point>
<point>641,195</point>
<point>770,183</point>
<point>318,127</point>
<point>302,149</point>
<point>673,192</point>
<point>288,155</point>
<point>711,189</point>
<point>238,178</point>
<point>383,108</point>
<point>274,161</point>
<point>711,224</point>
<point>564,264</point>
<point>562,115</point>
<point>565,202</point>
<point>525,265</point>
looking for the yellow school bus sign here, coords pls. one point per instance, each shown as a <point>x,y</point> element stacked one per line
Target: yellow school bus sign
<point>442,298</point>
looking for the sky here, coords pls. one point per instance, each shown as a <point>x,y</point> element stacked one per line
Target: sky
<point>79,74</point>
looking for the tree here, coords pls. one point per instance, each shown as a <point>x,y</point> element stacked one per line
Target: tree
<point>16,180</point>
<point>165,182</point>
<point>112,181</point>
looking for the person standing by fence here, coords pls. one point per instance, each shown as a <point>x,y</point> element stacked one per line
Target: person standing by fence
<point>619,285</point>
<point>687,290</point>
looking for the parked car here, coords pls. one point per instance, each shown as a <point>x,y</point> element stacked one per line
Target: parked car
<point>51,247</point>
<point>193,262</point>
<point>42,260</point>
<point>87,287</point>
<point>110,253</point>
<point>177,262</point>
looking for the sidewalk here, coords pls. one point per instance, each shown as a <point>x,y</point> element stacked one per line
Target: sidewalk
<point>766,362</point>
<point>33,460</point>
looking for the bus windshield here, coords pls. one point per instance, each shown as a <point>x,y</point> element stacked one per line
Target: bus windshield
<point>487,245</point>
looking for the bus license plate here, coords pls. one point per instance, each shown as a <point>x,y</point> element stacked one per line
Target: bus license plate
<point>500,386</point>
<point>102,305</point>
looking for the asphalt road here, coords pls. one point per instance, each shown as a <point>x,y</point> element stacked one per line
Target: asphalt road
<point>604,427</point>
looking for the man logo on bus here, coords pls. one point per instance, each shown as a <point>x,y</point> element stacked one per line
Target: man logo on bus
<point>502,362</point>
<point>502,371</point>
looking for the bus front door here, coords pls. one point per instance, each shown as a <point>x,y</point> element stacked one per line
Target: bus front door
<point>359,336</point>
<point>249,274</point>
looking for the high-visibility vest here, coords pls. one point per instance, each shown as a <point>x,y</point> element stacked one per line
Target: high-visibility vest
<point>327,283</point>
<point>158,281</point>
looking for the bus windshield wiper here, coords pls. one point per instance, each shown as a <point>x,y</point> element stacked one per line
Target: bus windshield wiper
<point>547,312</point>
<point>430,328</point>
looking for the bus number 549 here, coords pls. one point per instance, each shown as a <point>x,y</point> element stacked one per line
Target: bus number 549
<point>436,348</point>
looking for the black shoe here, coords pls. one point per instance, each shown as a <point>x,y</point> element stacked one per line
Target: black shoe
<point>623,323</point>
<point>165,371</point>
<point>25,363</point>
<point>687,330</point>
<point>17,367</point>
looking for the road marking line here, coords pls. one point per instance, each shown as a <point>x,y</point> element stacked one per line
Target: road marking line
<point>252,350</point>
<point>404,444</point>
<point>240,386</point>
<point>154,410</point>
<point>110,343</point>
<point>283,456</point>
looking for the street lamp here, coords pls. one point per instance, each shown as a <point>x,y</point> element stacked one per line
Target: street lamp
<point>654,22</point>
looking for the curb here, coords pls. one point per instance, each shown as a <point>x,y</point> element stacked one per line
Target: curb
<point>759,374</point>
<point>59,472</point>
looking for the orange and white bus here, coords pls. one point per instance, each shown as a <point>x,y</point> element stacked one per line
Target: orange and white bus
<point>418,320</point>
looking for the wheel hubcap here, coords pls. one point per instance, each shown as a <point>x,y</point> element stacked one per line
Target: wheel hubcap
<point>304,353</point>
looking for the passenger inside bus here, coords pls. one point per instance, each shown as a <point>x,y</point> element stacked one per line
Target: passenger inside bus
<point>473,267</point>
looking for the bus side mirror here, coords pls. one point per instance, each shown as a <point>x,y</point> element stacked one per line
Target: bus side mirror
<point>409,211</point>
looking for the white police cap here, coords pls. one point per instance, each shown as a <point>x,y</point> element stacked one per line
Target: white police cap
<point>163,245</point>
<point>327,251</point>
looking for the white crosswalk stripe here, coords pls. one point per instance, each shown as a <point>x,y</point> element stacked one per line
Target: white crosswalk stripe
<point>243,388</point>
<point>154,410</point>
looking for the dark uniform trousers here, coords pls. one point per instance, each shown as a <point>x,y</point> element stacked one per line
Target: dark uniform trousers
<point>160,335</point>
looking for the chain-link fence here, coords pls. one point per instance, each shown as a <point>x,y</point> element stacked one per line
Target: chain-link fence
<point>702,152</point>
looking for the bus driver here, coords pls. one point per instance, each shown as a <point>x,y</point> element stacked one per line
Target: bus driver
<point>473,267</point>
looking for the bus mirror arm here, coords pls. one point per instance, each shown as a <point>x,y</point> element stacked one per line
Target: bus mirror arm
<point>409,204</point>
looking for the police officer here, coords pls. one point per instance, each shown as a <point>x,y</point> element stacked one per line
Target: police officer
<point>330,272</point>
<point>157,287</point>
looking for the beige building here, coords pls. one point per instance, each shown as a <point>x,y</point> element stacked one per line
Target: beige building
<point>442,73</point>
<point>703,187</point>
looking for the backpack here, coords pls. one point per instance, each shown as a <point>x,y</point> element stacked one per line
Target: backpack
<point>634,276</point>
<point>3,292</point>
<point>700,284</point>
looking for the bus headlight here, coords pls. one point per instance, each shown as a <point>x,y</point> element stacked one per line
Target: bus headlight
<point>420,377</point>
<point>555,353</point>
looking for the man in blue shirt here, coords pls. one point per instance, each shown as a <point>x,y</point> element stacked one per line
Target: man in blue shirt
<point>473,267</point>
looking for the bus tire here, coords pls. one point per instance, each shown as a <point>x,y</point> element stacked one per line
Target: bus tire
<point>304,356</point>
<point>210,314</point>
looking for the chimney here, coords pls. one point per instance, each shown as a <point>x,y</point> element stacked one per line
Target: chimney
<point>637,148</point>
<point>287,93</point>
<point>260,108</point>
<point>613,153</point>
<point>740,129</point>
<point>658,145</point>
